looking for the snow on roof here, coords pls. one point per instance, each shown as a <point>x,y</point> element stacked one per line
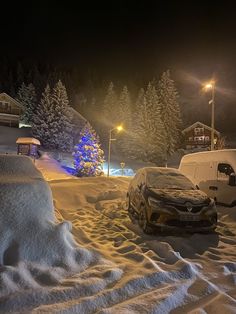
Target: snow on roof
<point>215,155</point>
<point>159,169</point>
<point>202,124</point>
<point>17,103</point>
<point>28,140</point>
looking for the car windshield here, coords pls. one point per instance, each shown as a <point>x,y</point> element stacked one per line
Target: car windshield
<point>169,180</point>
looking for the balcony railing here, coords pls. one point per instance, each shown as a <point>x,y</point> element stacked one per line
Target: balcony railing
<point>10,111</point>
<point>193,143</point>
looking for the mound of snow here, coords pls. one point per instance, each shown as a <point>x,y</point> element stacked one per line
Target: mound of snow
<point>32,243</point>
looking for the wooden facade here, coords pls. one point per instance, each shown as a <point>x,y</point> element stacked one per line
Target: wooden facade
<point>198,135</point>
<point>10,111</point>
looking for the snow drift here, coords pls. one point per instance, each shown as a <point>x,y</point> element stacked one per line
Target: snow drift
<point>34,248</point>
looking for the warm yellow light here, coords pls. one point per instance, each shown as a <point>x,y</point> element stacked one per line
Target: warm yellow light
<point>119,128</point>
<point>209,85</point>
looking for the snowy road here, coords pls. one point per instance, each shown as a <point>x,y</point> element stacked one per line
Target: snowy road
<point>159,273</point>
<point>121,269</point>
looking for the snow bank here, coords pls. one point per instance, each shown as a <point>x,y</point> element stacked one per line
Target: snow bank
<point>34,249</point>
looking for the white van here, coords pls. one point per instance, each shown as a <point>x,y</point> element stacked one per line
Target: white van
<point>214,173</point>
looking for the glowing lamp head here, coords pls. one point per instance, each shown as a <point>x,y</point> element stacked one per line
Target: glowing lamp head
<point>209,85</point>
<point>119,128</point>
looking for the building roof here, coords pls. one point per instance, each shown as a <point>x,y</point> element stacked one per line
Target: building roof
<point>28,140</point>
<point>17,103</point>
<point>201,124</point>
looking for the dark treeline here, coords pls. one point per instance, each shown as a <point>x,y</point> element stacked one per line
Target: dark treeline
<point>151,116</point>
<point>86,91</point>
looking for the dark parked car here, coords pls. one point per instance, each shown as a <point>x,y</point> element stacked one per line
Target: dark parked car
<point>164,199</point>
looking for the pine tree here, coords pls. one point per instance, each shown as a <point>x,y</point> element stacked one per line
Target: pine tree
<point>27,97</point>
<point>170,111</point>
<point>124,108</point>
<point>52,122</point>
<point>109,113</point>
<point>37,79</point>
<point>43,120</point>
<point>88,155</point>
<point>110,108</point>
<point>125,118</point>
<point>148,134</point>
<point>61,126</point>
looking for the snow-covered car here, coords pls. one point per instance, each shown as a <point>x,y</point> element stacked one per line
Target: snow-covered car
<point>164,199</point>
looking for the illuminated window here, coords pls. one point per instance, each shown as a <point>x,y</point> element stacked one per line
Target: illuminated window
<point>4,105</point>
<point>198,131</point>
<point>199,138</point>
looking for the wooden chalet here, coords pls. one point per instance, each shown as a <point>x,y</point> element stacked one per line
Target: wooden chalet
<point>198,135</point>
<point>10,111</point>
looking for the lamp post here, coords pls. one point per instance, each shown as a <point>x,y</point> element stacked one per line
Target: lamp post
<point>211,85</point>
<point>118,128</point>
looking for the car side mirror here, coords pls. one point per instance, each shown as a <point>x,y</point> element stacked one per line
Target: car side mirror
<point>232,179</point>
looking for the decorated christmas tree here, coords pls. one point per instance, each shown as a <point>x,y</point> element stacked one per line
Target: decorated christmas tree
<point>88,155</point>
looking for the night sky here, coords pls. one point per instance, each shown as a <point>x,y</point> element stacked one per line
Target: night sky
<point>129,39</point>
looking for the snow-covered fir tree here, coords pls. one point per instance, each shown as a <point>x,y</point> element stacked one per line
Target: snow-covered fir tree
<point>52,123</point>
<point>61,128</point>
<point>43,120</point>
<point>148,133</point>
<point>110,105</point>
<point>125,118</point>
<point>170,111</point>
<point>124,108</point>
<point>88,155</point>
<point>27,97</point>
<point>109,117</point>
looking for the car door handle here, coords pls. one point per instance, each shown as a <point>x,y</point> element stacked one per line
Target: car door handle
<point>213,188</point>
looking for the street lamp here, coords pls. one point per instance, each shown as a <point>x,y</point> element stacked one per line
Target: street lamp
<point>118,128</point>
<point>211,86</point>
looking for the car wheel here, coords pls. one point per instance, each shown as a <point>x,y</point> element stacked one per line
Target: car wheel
<point>143,222</point>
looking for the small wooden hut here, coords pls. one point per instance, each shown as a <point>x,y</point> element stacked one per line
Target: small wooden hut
<point>28,146</point>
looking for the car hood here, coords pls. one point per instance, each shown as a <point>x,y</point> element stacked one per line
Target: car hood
<point>180,196</point>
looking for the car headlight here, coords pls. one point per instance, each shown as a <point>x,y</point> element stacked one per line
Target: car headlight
<point>158,206</point>
<point>154,203</point>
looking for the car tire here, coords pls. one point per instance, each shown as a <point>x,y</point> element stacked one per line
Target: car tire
<point>143,222</point>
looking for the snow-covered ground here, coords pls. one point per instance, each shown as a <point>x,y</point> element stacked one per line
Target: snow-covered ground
<point>117,268</point>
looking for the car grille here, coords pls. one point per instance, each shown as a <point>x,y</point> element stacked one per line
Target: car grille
<point>195,208</point>
<point>193,224</point>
